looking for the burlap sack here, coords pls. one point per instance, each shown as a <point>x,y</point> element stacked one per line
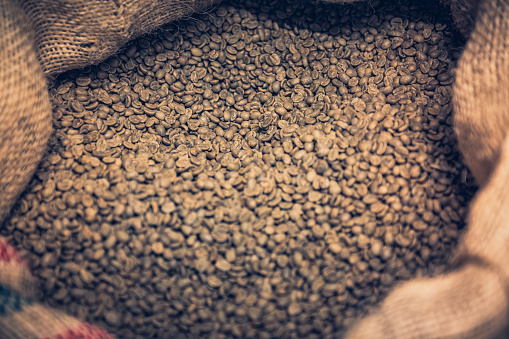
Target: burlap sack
<point>52,36</point>
<point>481,90</point>
<point>472,301</point>
<point>75,33</point>
<point>25,112</point>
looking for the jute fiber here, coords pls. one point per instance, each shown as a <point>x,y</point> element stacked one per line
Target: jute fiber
<point>25,111</point>
<point>72,34</point>
<point>463,13</point>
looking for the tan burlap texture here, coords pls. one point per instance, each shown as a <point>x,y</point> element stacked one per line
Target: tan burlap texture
<point>25,111</point>
<point>51,36</point>
<point>75,33</point>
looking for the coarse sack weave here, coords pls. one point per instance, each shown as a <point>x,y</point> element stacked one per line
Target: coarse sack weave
<point>47,37</point>
<point>25,111</point>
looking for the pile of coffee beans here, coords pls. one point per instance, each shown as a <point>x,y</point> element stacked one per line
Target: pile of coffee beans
<point>267,169</point>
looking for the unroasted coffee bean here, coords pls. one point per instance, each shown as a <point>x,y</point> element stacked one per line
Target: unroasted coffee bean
<point>86,276</point>
<point>214,281</point>
<point>112,318</point>
<point>294,309</point>
<point>406,79</point>
<point>223,265</point>
<point>265,169</point>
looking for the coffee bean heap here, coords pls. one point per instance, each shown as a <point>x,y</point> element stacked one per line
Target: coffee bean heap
<point>268,169</point>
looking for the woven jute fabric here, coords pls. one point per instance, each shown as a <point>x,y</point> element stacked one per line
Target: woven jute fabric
<point>25,111</point>
<point>75,33</point>
<point>481,90</point>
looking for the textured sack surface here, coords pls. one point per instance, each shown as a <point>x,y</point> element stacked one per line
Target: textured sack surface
<point>73,34</point>
<point>463,13</point>
<point>25,112</point>
<point>480,93</point>
<point>470,303</point>
<point>76,36</point>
